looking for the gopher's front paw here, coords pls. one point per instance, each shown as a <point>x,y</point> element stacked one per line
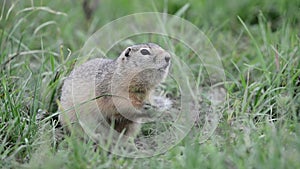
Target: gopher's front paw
<point>150,110</point>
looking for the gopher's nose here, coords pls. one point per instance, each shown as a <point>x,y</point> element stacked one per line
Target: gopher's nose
<point>167,58</point>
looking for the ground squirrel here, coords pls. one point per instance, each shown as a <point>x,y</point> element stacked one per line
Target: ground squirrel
<point>104,91</point>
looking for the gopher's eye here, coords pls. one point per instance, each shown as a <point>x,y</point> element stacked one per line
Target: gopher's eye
<point>145,52</point>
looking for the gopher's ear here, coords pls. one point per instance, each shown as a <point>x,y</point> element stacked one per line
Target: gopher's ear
<point>127,52</point>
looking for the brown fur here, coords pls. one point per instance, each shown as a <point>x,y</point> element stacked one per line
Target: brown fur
<point>121,86</point>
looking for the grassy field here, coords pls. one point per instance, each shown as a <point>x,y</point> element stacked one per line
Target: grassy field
<point>258,42</point>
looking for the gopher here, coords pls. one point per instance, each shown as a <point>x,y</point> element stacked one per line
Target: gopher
<point>102,93</point>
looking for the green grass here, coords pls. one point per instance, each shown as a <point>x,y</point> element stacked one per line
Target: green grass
<point>258,42</point>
